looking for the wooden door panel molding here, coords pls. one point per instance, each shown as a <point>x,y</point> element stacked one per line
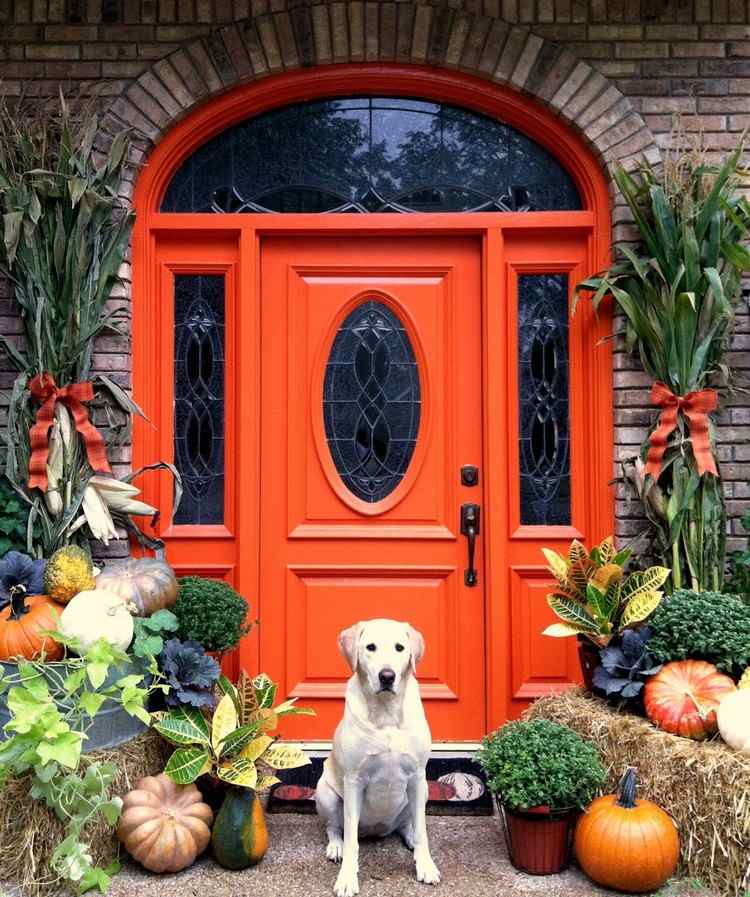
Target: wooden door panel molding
<point>539,665</point>
<point>208,571</point>
<point>324,599</point>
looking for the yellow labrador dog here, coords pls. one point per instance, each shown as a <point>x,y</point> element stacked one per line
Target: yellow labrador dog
<point>374,782</point>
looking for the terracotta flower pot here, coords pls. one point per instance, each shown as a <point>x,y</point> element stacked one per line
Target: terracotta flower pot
<point>539,839</point>
<point>588,654</point>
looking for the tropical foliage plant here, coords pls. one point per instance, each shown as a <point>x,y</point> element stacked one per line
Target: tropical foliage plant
<point>65,232</point>
<point>232,743</point>
<point>677,290</point>
<point>541,763</point>
<point>52,707</point>
<point>593,596</point>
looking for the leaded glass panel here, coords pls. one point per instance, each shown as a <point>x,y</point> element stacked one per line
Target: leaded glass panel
<point>543,399</point>
<point>371,401</point>
<point>370,155</point>
<point>199,396</point>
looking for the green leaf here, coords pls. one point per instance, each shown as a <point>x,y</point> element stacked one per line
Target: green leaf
<point>572,612</point>
<point>97,673</point>
<point>235,741</point>
<point>185,725</point>
<point>65,750</point>
<point>243,773</point>
<point>285,756</point>
<point>92,702</point>
<point>186,764</point>
<point>265,691</point>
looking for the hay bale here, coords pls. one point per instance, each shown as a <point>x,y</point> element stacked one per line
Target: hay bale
<point>29,831</point>
<point>704,785</point>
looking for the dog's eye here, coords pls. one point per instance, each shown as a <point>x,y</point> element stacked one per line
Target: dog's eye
<point>399,647</point>
<point>372,647</point>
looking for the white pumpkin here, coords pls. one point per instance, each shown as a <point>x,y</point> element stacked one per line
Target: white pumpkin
<point>733,717</point>
<point>96,614</point>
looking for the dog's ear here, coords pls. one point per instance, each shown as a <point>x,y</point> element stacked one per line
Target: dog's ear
<point>416,644</point>
<point>348,645</point>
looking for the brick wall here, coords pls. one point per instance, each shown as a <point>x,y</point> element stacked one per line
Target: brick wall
<point>649,57</point>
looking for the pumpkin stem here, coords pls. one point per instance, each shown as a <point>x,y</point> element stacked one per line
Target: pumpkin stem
<point>626,789</point>
<point>17,601</point>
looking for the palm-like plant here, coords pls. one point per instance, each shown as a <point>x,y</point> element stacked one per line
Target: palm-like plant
<point>594,598</point>
<point>677,291</point>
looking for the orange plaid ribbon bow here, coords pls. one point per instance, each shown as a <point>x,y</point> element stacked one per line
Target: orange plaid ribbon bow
<point>45,391</point>
<point>696,407</point>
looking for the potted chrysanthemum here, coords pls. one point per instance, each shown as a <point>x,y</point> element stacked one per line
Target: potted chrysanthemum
<point>542,775</point>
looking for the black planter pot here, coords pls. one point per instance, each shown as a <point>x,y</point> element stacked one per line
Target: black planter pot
<point>588,654</point>
<point>540,840</point>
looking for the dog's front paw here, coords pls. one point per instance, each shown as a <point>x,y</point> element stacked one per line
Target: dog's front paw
<point>427,871</point>
<point>347,883</point>
<point>335,850</point>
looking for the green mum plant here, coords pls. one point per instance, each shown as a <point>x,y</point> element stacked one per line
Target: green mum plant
<point>539,763</point>
<point>210,612</point>
<point>594,598</point>
<point>233,743</point>
<point>52,706</point>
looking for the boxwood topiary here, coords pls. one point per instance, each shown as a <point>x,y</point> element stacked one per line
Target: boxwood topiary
<point>540,763</point>
<point>702,626</point>
<point>210,612</point>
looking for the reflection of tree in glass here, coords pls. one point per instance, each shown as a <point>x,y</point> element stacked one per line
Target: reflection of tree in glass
<point>321,156</point>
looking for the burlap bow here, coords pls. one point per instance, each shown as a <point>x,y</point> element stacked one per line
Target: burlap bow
<point>45,391</point>
<point>696,407</point>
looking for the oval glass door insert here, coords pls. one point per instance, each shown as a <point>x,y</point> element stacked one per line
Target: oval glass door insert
<point>372,401</point>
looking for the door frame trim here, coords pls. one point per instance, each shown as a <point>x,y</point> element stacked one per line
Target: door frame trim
<point>245,232</point>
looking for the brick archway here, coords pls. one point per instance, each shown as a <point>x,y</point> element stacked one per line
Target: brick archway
<point>344,32</point>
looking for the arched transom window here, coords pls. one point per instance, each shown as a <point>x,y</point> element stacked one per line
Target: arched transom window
<point>371,154</point>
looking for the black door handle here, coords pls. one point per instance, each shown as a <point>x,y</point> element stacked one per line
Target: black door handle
<point>470,528</point>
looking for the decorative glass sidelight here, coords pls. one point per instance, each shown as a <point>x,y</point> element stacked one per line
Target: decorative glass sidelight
<point>543,399</point>
<point>371,401</point>
<point>199,396</point>
<point>370,154</point>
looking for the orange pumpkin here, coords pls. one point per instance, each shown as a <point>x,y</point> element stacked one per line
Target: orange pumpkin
<point>22,624</point>
<point>684,696</point>
<point>164,826</point>
<point>627,843</point>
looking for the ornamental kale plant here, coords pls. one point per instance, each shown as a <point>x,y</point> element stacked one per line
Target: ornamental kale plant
<point>626,666</point>
<point>211,613</point>
<point>702,626</point>
<point>18,569</point>
<point>540,763</point>
<point>190,673</point>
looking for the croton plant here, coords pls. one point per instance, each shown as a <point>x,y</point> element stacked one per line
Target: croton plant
<point>594,597</point>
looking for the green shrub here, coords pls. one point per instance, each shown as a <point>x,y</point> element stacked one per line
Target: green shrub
<point>541,763</point>
<point>14,516</point>
<point>210,612</point>
<point>702,626</point>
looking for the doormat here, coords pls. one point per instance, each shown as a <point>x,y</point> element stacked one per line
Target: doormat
<point>457,787</point>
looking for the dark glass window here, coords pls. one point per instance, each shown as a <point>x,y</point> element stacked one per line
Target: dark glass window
<point>371,401</point>
<point>199,396</point>
<point>370,155</point>
<point>543,399</point>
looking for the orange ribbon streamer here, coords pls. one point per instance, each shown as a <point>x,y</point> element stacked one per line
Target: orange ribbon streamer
<point>696,407</point>
<point>45,391</point>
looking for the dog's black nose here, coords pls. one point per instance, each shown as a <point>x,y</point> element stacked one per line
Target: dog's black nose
<point>387,677</point>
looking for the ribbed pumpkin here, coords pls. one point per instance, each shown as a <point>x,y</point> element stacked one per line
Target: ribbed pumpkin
<point>98,614</point>
<point>164,826</point>
<point>22,623</point>
<point>683,697</point>
<point>240,836</point>
<point>627,843</point>
<point>148,583</point>
<point>733,716</point>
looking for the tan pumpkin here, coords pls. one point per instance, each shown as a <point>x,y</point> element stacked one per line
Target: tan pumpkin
<point>148,583</point>
<point>164,826</point>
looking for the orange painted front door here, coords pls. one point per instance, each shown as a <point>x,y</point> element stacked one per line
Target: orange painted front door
<point>368,526</point>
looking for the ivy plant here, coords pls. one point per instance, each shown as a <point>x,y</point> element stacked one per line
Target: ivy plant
<point>52,707</point>
<point>14,518</point>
